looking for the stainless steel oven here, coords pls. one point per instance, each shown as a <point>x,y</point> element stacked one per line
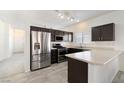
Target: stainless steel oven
<point>61,54</point>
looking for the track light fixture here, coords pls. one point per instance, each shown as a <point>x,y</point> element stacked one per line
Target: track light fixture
<point>66,15</point>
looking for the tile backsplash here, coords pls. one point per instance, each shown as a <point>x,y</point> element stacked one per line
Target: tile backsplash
<point>104,44</point>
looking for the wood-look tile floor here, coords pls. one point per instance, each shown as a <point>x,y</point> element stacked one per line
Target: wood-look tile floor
<point>56,73</point>
<point>12,65</point>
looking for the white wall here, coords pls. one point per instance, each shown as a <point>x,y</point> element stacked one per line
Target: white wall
<point>18,44</point>
<point>12,23</point>
<point>11,40</point>
<point>116,17</point>
<point>4,41</point>
<point>103,73</point>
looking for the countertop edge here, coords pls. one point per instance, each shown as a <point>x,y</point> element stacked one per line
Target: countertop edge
<point>95,62</point>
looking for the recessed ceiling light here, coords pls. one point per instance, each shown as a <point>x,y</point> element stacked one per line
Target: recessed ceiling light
<point>72,19</point>
<point>59,14</point>
<point>68,18</point>
<point>78,20</point>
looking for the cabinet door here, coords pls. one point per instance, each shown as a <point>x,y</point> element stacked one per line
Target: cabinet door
<point>56,33</point>
<point>54,56</point>
<point>96,33</point>
<point>62,33</point>
<point>52,35</point>
<point>108,33</point>
<point>77,71</point>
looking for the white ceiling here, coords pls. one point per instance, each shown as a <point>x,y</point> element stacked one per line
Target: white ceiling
<point>50,17</point>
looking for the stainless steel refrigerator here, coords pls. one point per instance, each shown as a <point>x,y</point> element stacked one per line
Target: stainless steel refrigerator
<point>40,50</point>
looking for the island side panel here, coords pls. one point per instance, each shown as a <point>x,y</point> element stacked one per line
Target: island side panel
<point>77,71</point>
<point>103,73</point>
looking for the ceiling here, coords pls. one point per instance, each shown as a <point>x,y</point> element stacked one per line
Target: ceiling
<point>49,18</point>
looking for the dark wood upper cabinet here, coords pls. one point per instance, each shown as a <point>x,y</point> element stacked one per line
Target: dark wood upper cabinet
<point>64,34</point>
<point>67,36</point>
<point>108,32</point>
<point>104,32</point>
<point>56,32</point>
<point>96,33</point>
<point>52,35</point>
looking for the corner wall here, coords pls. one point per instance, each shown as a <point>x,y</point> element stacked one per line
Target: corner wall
<point>4,41</point>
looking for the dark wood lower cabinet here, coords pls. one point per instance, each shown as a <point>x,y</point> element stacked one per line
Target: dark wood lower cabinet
<point>74,50</point>
<point>54,56</point>
<point>77,71</point>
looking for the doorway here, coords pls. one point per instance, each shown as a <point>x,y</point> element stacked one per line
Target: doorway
<point>12,46</point>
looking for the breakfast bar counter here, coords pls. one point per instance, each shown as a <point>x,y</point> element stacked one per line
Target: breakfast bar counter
<point>94,66</point>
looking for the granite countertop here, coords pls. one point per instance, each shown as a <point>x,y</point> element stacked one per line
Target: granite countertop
<point>96,56</point>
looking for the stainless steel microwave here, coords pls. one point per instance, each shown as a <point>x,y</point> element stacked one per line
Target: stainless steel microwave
<point>59,38</point>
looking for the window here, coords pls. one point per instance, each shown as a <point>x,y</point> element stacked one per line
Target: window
<point>82,37</point>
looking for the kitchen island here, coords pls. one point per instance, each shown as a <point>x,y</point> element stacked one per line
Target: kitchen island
<point>94,66</point>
